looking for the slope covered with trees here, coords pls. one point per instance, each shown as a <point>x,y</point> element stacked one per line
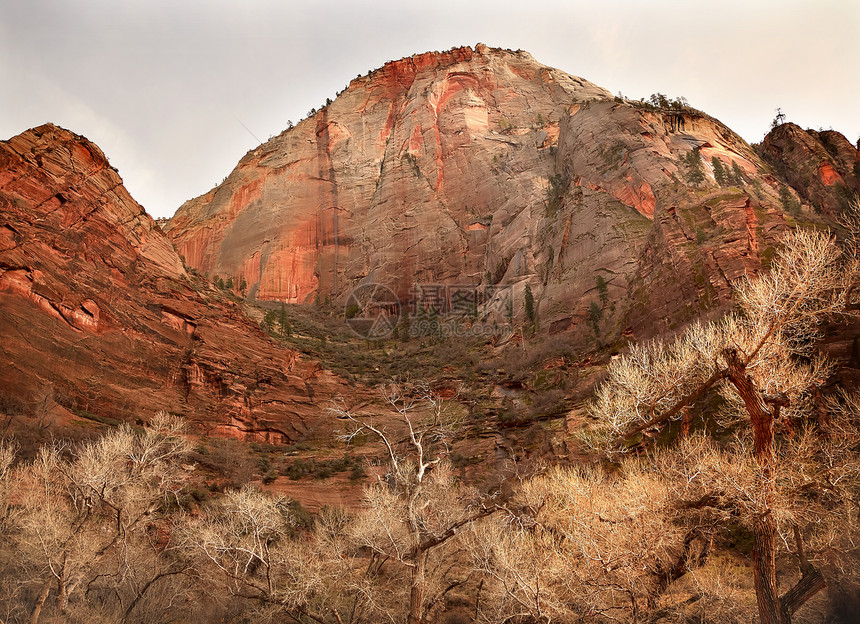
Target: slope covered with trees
<point>760,453</point>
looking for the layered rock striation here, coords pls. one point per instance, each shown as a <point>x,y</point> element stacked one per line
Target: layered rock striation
<point>822,167</point>
<point>485,168</point>
<point>426,170</point>
<point>97,311</point>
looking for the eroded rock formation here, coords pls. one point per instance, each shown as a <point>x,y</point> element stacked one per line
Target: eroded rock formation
<point>484,167</point>
<point>822,167</point>
<point>97,309</point>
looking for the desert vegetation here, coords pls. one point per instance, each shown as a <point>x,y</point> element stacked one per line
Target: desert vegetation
<point>782,453</point>
<point>721,485</point>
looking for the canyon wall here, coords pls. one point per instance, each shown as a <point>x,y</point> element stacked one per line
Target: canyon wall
<point>485,168</point>
<point>98,314</point>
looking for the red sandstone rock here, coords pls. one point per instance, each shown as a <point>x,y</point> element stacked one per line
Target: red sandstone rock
<point>397,180</point>
<point>95,303</point>
<point>822,167</point>
<point>436,168</point>
<point>473,166</point>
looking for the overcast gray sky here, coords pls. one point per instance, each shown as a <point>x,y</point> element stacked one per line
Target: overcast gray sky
<point>165,86</point>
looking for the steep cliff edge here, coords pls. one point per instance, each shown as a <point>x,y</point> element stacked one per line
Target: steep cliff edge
<point>405,176</point>
<point>822,167</point>
<point>97,311</point>
<point>664,208</point>
<point>484,167</point>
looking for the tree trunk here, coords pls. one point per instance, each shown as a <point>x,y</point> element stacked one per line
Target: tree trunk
<point>764,526</point>
<point>811,582</point>
<point>665,576</point>
<point>771,608</point>
<point>62,597</point>
<point>40,602</point>
<point>62,589</point>
<point>417,589</point>
<point>764,569</point>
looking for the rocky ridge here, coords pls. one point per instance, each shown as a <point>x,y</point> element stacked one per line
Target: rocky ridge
<point>485,168</point>
<point>98,313</point>
<point>822,166</point>
<point>479,167</point>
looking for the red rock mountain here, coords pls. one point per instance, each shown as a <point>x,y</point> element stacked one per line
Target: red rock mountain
<point>483,167</point>
<point>97,310</point>
<point>477,167</point>
<point>823,167</point>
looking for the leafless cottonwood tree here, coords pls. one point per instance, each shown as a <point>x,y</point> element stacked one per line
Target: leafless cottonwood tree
<point>348,569</point>
<point>87,522</point>
<point>763,362</point>
<point>9,587</point>
<point>417,515</point>
<point>248,544</point>
<point>583,544</point>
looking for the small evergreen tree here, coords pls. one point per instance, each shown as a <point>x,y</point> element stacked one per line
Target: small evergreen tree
<point>659,100</point>
<point>737,175</point>
<point>695,173</point>
<point>284,326</point>
<point>719,171</point>
<point>789,203</point>
<point>779,119</point>
<point>529,304</point>
<point>268,322</point>
<point>602,290</point>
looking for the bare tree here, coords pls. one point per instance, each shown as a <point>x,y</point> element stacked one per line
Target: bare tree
<point>587,544</point>
<point>9,587</point>
<point>87,517</point>
<point>417,514</point>
<point>762,360</point>
<point>348,568</point>
<point>43,406</point>
<point>251,543</point>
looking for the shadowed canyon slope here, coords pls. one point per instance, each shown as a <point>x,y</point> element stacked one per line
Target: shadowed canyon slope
<point>483,167</point>
<point>97,310</point>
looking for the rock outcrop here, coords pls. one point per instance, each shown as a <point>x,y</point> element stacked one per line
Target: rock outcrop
<point>483,167</point>
<point>425,170</point>
<point>822,167</point>
<point>97,311</point>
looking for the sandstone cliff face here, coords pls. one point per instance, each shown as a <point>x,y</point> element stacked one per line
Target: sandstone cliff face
<point>96,307</point>
<point>822,167</point>
<point>406,176</point>
<point>484,167</point>
<point>666,244</point>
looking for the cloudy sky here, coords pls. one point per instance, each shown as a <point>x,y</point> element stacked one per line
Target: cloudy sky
<point>176,91</point>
